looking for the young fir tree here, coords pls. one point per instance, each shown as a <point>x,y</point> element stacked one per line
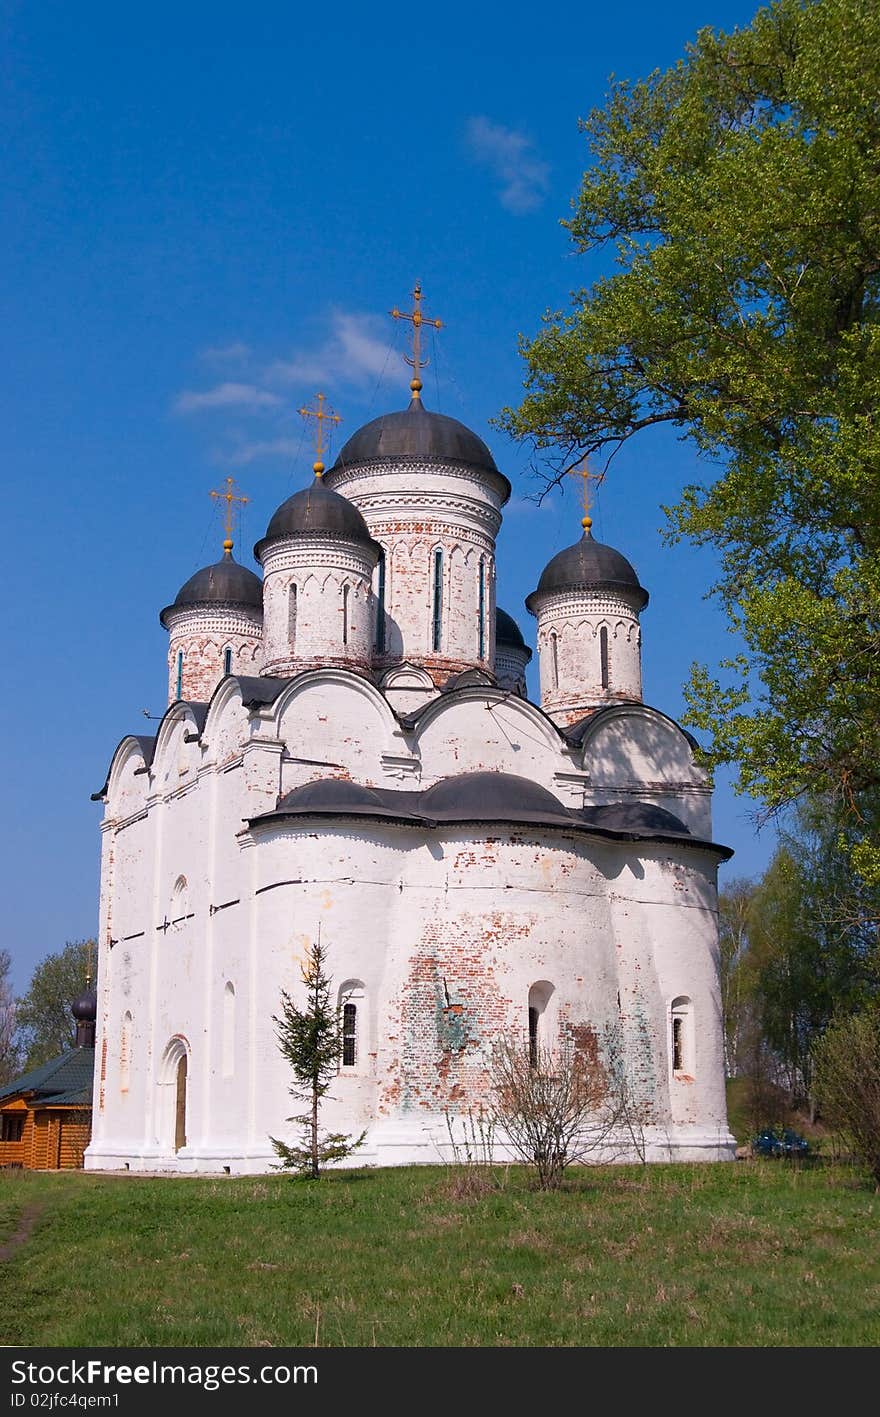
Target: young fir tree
<point>311,1040</point>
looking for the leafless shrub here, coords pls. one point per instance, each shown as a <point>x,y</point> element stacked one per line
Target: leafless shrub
<point>472,1148</point>
<point>558,1106</point>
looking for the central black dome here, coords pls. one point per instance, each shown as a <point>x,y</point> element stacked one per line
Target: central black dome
<point>415,434</point>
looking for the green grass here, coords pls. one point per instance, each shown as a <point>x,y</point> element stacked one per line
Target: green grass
<point>737,1254</point>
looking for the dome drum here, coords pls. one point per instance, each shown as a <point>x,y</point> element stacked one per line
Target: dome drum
<point>215,627</point>
<point>318,559</point>
<point>587,605</point>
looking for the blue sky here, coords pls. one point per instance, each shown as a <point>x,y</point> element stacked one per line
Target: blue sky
<point>207,211</point>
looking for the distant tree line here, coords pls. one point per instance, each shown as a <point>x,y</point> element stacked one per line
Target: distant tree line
<point>39,1025</point>
<point>799,958</point>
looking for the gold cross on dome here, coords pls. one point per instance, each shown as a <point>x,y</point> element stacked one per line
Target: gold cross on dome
<point>582,470</point>
<point>321,416</point>
<point>229,496</point>
<point>418,318</point>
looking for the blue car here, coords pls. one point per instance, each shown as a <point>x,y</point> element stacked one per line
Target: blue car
<point>781,1142</point>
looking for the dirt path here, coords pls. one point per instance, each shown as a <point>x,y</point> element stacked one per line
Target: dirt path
<point>25,1225</point>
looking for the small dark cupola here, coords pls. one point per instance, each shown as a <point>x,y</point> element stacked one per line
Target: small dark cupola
<point>512,654</point>
<point>318,559</point>
<point>215,621</point>
<point>85,1012</point>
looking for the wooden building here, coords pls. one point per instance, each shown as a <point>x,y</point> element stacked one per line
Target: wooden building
<point>46,1114</point>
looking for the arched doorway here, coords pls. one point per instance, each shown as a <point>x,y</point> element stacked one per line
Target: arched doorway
<point>180,1104</point>
<point>173,1098</point>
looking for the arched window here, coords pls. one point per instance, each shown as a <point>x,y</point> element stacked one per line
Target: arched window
<point>481,637</point>
<point>345,593</point>
<point>681,1038</point>
<point>539,997</point>
<point>380,605</point>
<point>179,690</point>
<point>349,1035</point>
<point>291,616</point>
<point>227,660</point>
<point>125,1053</point>
<point>351,1017</point>
<point>229,1029</point>
<point>554,661</point>
<point>603,654</point>
<point>437,621</point>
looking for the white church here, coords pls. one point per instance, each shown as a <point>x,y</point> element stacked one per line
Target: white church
<point>349,747</point>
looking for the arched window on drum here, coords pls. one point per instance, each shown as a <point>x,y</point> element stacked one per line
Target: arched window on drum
<point>540,1041</point>
<point>352,1022</point>
<point>681,1037</point>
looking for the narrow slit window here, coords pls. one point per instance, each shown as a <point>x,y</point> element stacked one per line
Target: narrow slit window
<point>291,617</point>
<point>345,614</point>
<point>227,660</point>
<point>349,1035</point>
<point>682,1038</point>
<point>603,654</point>
<point>554,661</point>
<point>437,631</point>
<point>179,692</point>
<point>380,605</point>
<point>533,1037</point>
<point>481,644</point>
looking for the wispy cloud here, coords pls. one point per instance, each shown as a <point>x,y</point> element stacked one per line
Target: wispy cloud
<point>244,397</point>
<point>235,353</point>
<point>517,505</point>
<point>352,353</point>
<point>510,156</point>
<point>247,453</point>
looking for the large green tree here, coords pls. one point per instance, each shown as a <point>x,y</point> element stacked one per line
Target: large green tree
<point>45,1023</point>
<point>740,194</point>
